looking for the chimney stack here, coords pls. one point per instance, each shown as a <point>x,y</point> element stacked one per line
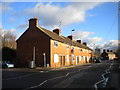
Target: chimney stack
<point>85,43</point>
<point>57,31</point>
<point>108,50</point>
<point>70,37</point>
<point>33,22</point>
<point>79,41</point>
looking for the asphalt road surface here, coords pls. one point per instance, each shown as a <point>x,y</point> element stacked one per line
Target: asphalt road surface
<point>82,76</point>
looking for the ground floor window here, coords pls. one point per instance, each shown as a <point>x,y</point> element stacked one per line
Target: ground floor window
<point>77,59</point>
<point>56,58</point>
<point>80,58</point>
<point>73,58</point>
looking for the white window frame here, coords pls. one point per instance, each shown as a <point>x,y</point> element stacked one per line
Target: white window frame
<point>67,46</point>
<point>73,58</point>
<point>56,43</point>
<point>67,58</point>
<point>56,58</point>
<point>80,58</point>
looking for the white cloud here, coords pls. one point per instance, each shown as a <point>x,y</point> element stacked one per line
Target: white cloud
<point>22,26</point>
<point>4,31</point>
<point>51,15</point>
<point>82,35</point>
<point>93,40</point>
<point>112,44</point>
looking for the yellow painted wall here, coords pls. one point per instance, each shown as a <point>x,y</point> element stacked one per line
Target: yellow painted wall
<point>62,50</point>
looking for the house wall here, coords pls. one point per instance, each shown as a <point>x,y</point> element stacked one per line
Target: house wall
<point>33,37</point>
<point>111,56</point>
<point>63,52</point>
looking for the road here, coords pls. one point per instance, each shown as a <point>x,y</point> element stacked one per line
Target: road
<point>82,76</point>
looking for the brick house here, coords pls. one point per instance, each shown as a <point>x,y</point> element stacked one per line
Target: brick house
<point>49,48</point>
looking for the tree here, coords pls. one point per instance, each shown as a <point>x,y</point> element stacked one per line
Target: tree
<point>9,40</point>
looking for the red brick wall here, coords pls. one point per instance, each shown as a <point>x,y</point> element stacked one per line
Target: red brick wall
<point>32,37</point>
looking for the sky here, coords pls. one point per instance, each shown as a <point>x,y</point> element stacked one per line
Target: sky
<point>94,22</point>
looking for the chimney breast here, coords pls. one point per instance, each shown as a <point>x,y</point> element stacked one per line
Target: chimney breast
<point>57,31</point>
<point>33,22</point>
<point>79,41</point>
<point>70,37</point>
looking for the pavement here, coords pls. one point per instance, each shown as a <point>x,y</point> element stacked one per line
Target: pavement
<point>113,81</point>
<point>46,68</point>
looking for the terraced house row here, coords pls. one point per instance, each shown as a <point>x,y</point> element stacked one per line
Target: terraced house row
<point>49,48</point>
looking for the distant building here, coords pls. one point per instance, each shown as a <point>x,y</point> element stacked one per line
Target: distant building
<point>49,48</point>
<point>97,53</point>
<point>108,55</point>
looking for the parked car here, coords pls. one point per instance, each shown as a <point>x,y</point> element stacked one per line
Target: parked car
<point>7,64</point>
<point>97,60</point>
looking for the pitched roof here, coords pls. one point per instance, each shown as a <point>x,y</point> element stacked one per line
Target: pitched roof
<point>63,39</point>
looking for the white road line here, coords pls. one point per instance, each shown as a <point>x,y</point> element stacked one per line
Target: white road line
<point>67,74</point>
<point>37,85</point>
<point>56,77</point>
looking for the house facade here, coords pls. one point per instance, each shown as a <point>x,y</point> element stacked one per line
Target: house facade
<point>49,49</point>
<point>108,55</point>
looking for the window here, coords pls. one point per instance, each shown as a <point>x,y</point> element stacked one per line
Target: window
<point>56,58</point>
<point>67,46</point>
<point>73,47</point>
<point>73,58</point>
<point>56,43</point>
<point>77,59</point>
<point>80,58</point>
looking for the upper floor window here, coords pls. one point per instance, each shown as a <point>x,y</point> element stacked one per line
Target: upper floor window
<point>67,46</point>
<point>56,43</point>
<point>73,47</point>
<point>56,58</point>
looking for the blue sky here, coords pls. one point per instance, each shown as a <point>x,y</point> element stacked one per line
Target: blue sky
<point>95,22</point>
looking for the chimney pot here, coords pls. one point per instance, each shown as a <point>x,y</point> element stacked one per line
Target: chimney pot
<point>79,41</point>
<point>70,37</point>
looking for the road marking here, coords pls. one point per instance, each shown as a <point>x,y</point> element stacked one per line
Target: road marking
<point>104,79</point>
<point>67,74</point>
<point>37,85</point>
<point>56,77</point>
